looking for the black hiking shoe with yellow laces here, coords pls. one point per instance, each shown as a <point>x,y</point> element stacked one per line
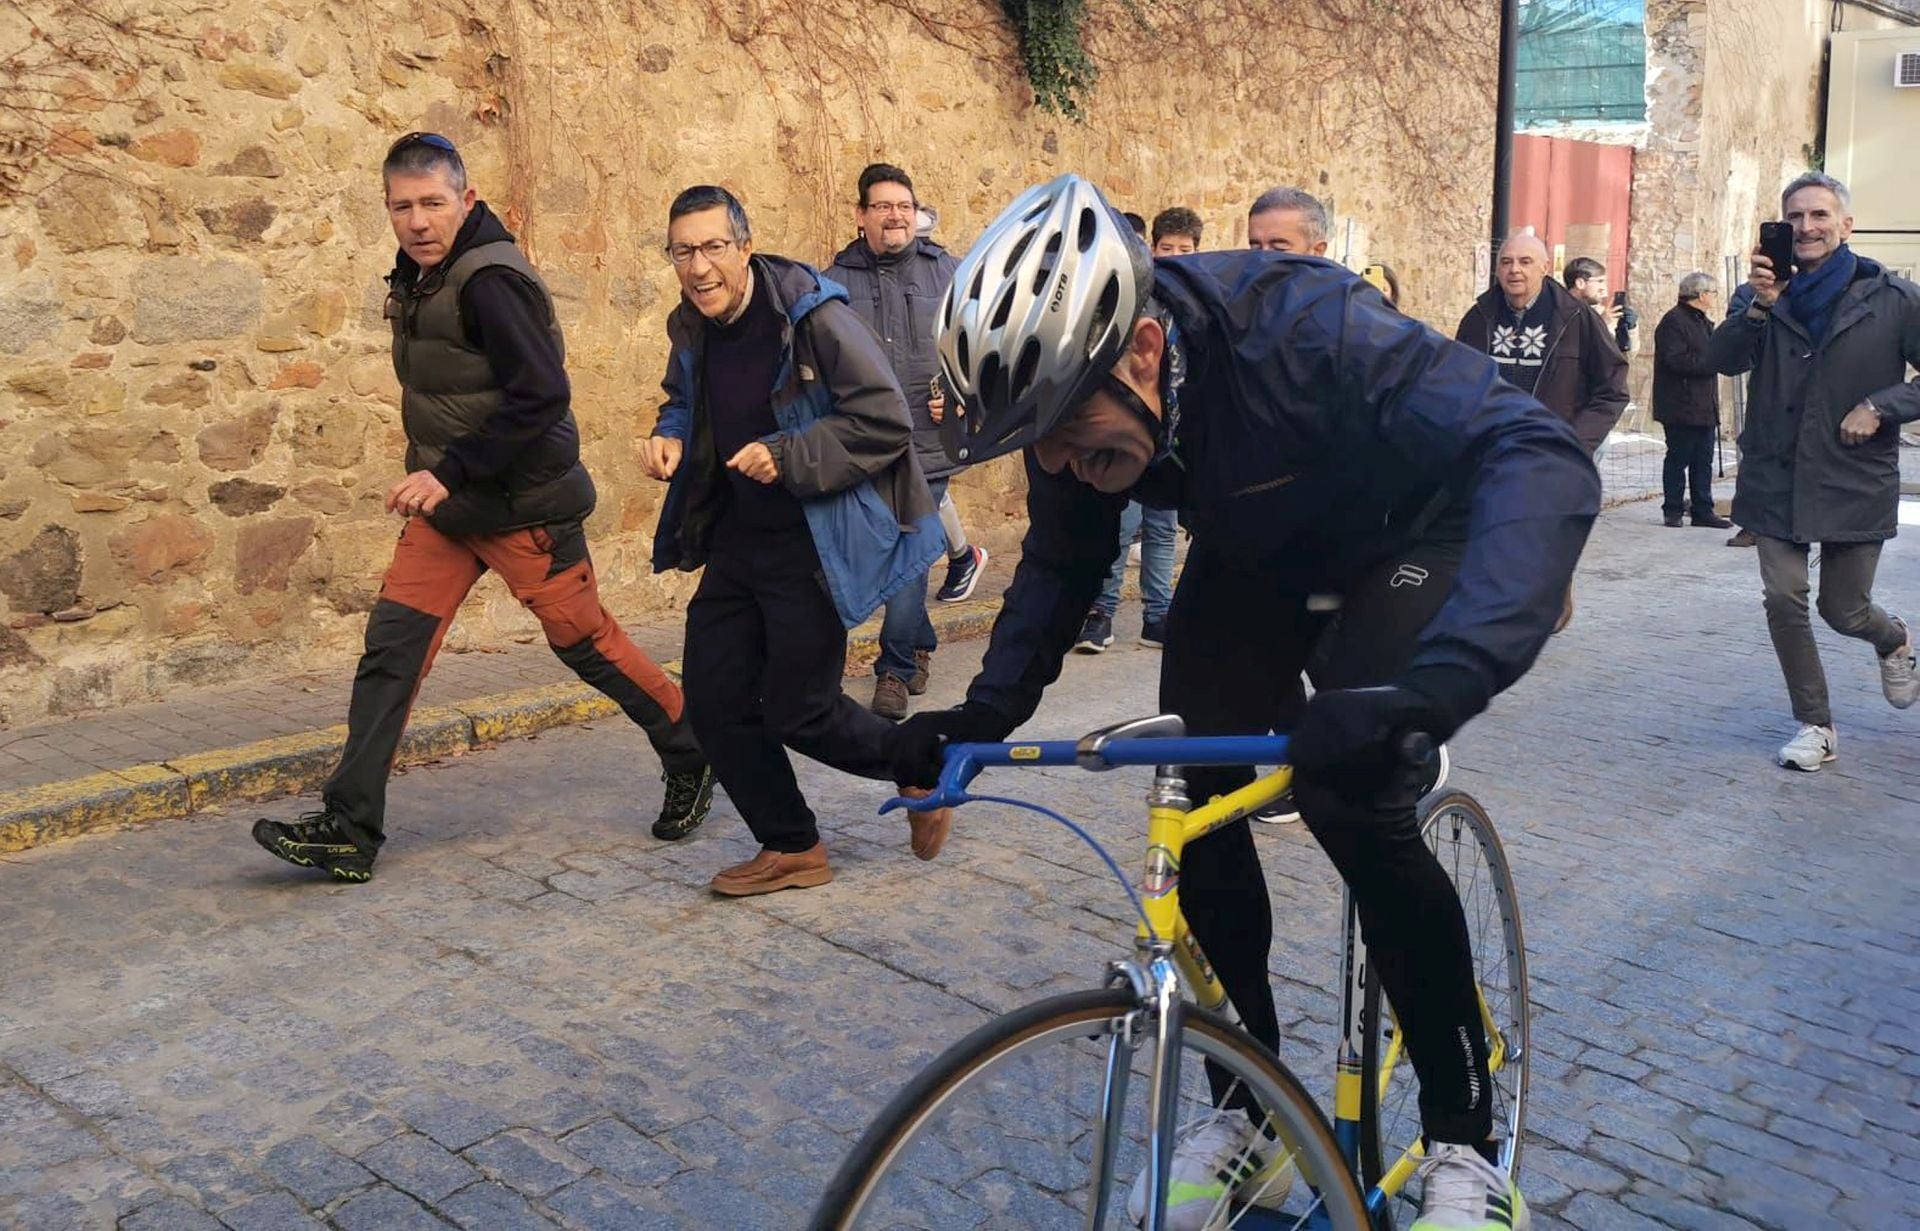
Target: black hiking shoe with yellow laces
<point>689,799</point>
<point>316,840</point>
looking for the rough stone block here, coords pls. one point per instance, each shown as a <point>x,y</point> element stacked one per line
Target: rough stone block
<point>43,576</point>
<point>183,299</point>
<point>622,1153</point>
<point>312,1172</point>
<point>417,1165</point>
<point>156,549</point>
<point>526,1162</point>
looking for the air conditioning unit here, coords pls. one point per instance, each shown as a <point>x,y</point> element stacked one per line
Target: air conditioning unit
<point>1906,69</point>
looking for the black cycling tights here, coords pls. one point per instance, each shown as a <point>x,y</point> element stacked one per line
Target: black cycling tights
<point>1236,647</point>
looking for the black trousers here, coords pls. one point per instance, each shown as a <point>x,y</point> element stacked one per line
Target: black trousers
<point>1236,646</point>
<point>764,659</point>
<point>1689,461</point>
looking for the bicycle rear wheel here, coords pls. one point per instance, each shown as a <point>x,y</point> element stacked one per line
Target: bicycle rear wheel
<point>1460,833</point>
<point>1003,1129</point>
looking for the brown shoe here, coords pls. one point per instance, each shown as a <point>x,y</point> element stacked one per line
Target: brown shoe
<point>922,672</point>
<point>771,871</point>
<point>930,829</point>
<point>890,697</point>
<point>1566,611</point>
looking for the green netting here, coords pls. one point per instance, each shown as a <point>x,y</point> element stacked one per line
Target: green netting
<point>1581,61</point>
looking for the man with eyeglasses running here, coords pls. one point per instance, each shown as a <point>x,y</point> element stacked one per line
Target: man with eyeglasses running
<point>1300,426</point>
<point>494,482</point>
<point>788,452</point>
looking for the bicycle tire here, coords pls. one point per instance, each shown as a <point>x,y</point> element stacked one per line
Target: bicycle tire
<point>891,1133</point>
<point>1460,812</point>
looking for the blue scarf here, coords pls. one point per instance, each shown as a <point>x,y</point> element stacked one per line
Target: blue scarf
<point>1815,295</point>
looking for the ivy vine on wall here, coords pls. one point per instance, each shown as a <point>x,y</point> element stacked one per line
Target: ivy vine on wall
<point>1051,45</point>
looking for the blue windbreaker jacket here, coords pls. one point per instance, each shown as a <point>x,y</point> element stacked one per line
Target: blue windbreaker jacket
<point>1316,426</point>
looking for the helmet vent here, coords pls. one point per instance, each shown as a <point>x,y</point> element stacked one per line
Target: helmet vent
<point>993,383</point>
<point>1019,250</point>
<point>1103,313</point>
<point>1049,262</point>
<point>1004,308</point>
<point>1024,368</point>
<point>1088,231</point>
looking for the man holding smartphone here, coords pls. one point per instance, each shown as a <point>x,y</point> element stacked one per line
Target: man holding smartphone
<point>1828,342</point>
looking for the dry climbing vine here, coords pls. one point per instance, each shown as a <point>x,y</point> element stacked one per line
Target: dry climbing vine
<point>62,65</point>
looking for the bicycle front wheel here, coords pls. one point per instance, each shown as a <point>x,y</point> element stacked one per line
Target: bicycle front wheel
<point>1458,831</point>
<point>1040,1119</point>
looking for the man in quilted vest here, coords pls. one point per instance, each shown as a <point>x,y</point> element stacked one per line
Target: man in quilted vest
<point>495,482</point>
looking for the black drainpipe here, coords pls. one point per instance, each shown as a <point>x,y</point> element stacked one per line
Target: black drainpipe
<point>1503,137</point>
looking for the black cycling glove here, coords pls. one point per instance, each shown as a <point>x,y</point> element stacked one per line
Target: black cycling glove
<point>917,742</point>
<point>1348,731</point>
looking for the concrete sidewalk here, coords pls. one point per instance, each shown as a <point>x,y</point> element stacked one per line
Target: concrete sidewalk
<point>266,738</point>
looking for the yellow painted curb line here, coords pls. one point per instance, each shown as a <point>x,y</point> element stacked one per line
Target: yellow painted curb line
<point>62,809</point>
<point>289,764</point>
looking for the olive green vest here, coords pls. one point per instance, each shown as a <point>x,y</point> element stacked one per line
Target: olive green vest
<point>447,387</point>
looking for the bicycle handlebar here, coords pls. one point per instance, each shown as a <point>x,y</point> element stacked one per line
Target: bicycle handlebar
<point>963,762</point>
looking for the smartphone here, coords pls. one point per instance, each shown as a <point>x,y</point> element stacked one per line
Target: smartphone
<point>1619,299</point>
<point>1776,244</point>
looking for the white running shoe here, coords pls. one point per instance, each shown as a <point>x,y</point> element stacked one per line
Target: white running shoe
<point>1280,812</point>
<point>1218,1159</point>
<point>1461,1191</point>
<point>1899,676</point>
<point>1810,749</point>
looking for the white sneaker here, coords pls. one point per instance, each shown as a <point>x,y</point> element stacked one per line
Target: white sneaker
<point>1810,749</point>
<point>1282,811</point>
<point>1461,1191</point>
<point>1216,1159</point>
<point>1899,677</point>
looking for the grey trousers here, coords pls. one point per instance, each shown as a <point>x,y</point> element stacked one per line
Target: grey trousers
<point>1846,604</point>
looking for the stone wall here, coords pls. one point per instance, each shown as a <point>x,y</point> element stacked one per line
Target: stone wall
<point>1732,109</point>
<point>197,415</point>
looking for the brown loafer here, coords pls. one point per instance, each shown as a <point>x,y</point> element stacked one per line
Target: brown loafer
<point>929,828</point>
<point>772,871</point>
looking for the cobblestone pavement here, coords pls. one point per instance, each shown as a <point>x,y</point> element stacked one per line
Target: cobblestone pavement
<point>537,1017</point>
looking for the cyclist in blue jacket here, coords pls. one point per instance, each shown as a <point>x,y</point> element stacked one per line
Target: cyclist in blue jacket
<point>1325,452</point>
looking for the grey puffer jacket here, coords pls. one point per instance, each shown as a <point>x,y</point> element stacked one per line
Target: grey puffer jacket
<point>1797,480</point>
<point>899,294</point>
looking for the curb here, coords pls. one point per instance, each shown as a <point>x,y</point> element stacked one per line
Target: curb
<point>289,764</point>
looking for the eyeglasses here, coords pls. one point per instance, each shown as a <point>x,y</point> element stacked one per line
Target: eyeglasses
<point>892,207</point>
<point>435,140</point>
<point>713,250</point>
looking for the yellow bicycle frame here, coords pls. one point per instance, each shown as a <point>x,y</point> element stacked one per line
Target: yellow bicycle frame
<point>1168,832</point>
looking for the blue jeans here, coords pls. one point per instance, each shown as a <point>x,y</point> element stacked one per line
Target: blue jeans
<point>906,626</point>
<point>1157,528</point>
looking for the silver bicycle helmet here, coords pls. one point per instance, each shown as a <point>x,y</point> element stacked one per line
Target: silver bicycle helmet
<point>1039,312</point>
